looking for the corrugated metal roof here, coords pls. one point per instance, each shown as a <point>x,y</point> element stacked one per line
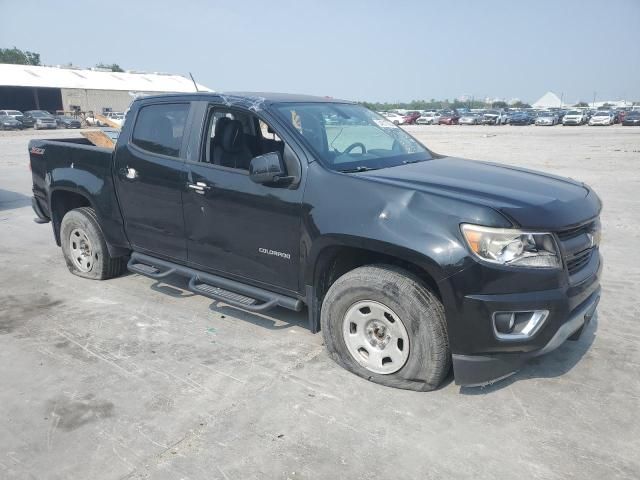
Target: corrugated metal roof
<point>53,77</point>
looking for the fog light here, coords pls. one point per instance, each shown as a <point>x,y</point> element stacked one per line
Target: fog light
<point>518,325</point>
<point>504,321</point>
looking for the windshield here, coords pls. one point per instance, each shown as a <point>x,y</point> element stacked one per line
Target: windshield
<point>573,112</point>
<point>13,112</point>
<point>602,114</point>
<point>40,113</point>
<point>356,140</point>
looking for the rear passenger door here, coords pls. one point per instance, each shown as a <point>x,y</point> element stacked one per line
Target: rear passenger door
<point>150,176</point>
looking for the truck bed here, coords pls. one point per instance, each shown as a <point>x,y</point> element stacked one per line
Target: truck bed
<point>74,166</point>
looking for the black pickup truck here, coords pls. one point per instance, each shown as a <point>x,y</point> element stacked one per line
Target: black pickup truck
<point>408,261</point>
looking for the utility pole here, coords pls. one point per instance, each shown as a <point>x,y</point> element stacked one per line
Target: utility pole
<point>593,104</point>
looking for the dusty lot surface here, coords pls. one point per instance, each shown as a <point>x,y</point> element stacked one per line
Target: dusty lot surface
<point>134,379</point>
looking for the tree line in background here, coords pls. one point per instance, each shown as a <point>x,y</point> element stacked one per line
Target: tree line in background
<point>16,56</point>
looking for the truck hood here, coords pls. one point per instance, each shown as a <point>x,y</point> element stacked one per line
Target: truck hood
<point>527,198</point>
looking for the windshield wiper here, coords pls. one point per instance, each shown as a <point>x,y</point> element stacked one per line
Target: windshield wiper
<point>359,168</point>
<point>407,162</point>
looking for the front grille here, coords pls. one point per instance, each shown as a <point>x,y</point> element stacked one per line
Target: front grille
<point>579,261</point>
<point>577,245</point>
<point>574,232</point>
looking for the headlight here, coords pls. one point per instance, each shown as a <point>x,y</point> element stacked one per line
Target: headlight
<point>512,247</point>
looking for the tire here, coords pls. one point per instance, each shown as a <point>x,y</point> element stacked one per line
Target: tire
<point>411,305</point>
<point>93,261</point>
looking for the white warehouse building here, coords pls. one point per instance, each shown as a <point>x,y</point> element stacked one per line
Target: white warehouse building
<point>26,87</point>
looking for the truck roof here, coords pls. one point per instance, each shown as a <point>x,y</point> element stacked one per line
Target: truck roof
<point>249,97</point>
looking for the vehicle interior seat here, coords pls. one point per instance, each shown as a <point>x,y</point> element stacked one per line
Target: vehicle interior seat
<point>216,140</point>
<point>233,150</point>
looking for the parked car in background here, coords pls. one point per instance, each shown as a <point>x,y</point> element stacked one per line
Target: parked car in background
<point>632,118</point>
<point>8,122</point>
<point>41,119</point>
<point>428,118</point>
<point>547,118</point>
<point>618,115</point>
<point>449,117</point>
<point>66,121</point>
<point>521,119</point>
<point>17,115</point>
<point>561,114</point>
<point>116,117</point>
<point>410,118</point>
<point>506,117</point>
<point>90,119</point>
<point>575,117</point>
<point>470,119</point>
<point>394,118</point>
<point>493,117</point>
<point>602,117</point>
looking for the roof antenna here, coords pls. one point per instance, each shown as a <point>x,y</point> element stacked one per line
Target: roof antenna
<point>194,82</point>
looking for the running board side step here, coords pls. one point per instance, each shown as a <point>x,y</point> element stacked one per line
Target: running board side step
<point>222,289</point>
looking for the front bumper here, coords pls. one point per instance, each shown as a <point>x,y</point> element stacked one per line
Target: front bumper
<point>477,370</point>
<point>473,295</point>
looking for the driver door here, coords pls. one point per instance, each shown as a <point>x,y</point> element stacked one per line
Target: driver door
<point>234,226</point>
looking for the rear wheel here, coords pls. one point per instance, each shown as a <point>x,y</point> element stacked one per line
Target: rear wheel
<point>381,323</point>
<point>84,246</point>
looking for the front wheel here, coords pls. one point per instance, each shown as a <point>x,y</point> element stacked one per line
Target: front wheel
<point>84,247</point>
<point>383,324</point>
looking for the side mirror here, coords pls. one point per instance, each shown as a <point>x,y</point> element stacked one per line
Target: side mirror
<point>268,169</point>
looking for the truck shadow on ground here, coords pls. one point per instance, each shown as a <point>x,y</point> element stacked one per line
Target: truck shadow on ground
<point>277,319</point>
<point>10,200</point>
<point>552,365</point>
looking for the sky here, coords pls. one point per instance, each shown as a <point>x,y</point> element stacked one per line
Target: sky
<point>371,50</point>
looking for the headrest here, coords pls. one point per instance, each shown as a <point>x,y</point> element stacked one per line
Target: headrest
<point>220,124</point>
<point>232,136</point>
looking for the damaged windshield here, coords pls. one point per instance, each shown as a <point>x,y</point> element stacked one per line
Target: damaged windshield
<point>351,138</point>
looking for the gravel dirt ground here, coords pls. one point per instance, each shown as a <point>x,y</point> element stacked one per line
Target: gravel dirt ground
<point>134,379</point>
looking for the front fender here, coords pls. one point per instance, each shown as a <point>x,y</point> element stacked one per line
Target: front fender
<point>327,242</point>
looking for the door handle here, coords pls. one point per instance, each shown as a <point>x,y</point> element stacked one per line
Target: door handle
<point>199,187</point>
<point>129,173</point>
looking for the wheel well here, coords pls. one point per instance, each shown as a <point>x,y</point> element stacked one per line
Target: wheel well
<point>63,201</point>
<point>336,261</point>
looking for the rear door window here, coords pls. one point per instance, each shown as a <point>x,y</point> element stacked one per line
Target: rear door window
<point>160,128</point>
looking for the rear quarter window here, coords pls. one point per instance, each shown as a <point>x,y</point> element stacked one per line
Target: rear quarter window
<point>160,128</point>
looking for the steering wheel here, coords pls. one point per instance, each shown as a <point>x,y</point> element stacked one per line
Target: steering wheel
<point>355,145</point>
